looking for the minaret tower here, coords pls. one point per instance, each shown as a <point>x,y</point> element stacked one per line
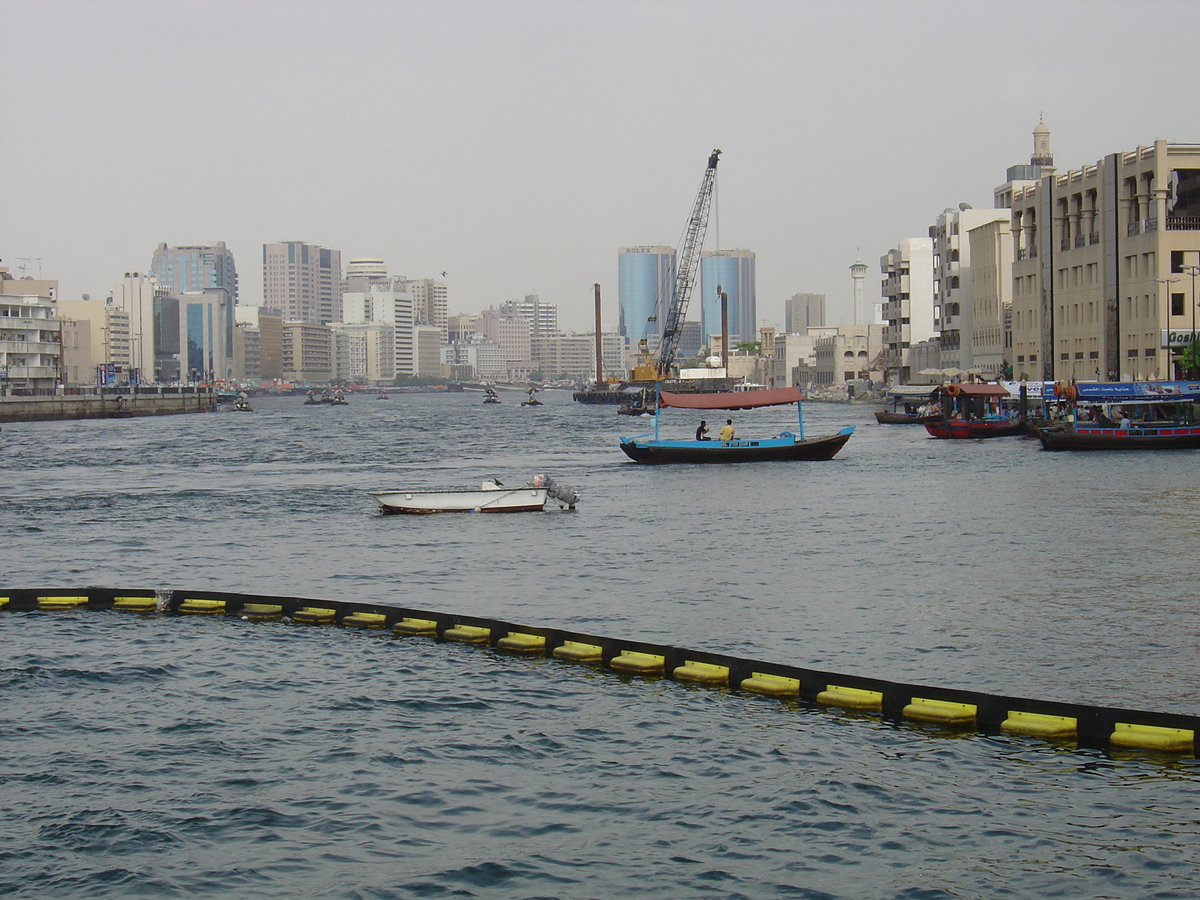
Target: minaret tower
<point>1041,148</point>
<point>858,272</point>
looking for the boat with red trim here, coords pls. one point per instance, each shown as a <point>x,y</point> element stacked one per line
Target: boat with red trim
<point>1125,416</point>
<point>973,411</point>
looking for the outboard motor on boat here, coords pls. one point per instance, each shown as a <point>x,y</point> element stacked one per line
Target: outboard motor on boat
<point>564,494</point>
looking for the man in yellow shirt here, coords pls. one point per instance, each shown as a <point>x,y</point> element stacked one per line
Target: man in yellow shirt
<point>727,430</point>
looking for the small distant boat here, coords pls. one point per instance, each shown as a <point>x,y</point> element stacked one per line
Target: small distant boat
<point>647,448</point>
<point>490,396</point>
<point>532,401</point>
<point>490,497</point>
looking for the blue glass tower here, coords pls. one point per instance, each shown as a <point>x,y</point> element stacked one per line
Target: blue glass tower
<point>645,284</point>
<point>187,269</point>
<point>733,271</point>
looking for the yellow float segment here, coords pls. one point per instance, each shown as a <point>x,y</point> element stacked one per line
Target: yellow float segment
<point>701,673</point>
<point>365,620</point>
<point>135,604</point>
<point>3,603</point>
<point>314,615</point>
<point>771,685</point>
<point>467,634</point>
<point>633,663</point>
<point>940,712</point>
<point>55,602</point>
<point>851,698</point>
<point>574,651</point>
<point>415,627</point>
<point>1154,737</point>
<point>263,611</point>
<point>194,607</point>
<point>522,643</point>
<point>1039,725</point>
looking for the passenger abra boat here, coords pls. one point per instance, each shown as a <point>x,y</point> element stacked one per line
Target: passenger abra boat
<point>1126,416</point>
<point>972,411</point>
<point>908,403</point>
<point>649,448</point>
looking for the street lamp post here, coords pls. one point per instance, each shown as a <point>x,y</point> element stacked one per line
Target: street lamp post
<point>1193,271</point>
<point>1167,318</point>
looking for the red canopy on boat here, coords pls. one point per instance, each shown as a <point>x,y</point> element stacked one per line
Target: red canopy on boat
<point>977,390</point>
<point>732,399</point>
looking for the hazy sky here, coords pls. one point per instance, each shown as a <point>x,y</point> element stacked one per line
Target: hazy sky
<point>517,145</point>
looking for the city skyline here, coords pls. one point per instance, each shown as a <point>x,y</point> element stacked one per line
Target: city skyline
<point>552,135</point>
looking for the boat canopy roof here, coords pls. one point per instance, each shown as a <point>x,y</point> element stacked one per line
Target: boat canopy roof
<point>912,391</point>
<point>732,399</point>
<point>976,390</point>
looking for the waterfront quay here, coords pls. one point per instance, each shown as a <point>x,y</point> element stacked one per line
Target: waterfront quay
<point>105,402</point>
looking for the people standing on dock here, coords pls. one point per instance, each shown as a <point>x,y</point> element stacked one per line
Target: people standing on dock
<point>727,432</point>
<point>702,431</point>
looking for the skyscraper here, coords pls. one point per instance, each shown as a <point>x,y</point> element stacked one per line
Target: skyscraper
<point>804,311</point>
<point>303,282</point>
<point>196,268</point>
<point>645,286</point>
<point>733,272</point>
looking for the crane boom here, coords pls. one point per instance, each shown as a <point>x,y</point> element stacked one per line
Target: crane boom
<point>685,273</point>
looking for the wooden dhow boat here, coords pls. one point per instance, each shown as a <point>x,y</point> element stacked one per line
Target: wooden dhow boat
<point>650,448</point>
<point>973,411</point>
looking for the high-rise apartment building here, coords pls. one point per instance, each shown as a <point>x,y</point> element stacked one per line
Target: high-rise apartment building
<point>30,352</point>
<point>542,316</point>
<point>363,272</point>
<point>511,332</point>
<point>731,272</point>
<point>645,287</point>
<point>907,303</point>
<point>952,280</point>
<point>189,269</point>
<point>269,326</point>
<point>303,282</point>
<point>802,312</point>
<point>430,301</point>
<point>381,305</point>
<point>154,335</point>
<point>307,352</point>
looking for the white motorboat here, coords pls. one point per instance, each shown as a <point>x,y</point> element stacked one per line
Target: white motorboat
<point>490,497</point>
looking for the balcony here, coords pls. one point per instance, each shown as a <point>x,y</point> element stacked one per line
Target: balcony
<point>1183,223</point>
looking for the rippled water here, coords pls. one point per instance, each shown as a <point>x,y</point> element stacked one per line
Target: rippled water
<point>181,757</point>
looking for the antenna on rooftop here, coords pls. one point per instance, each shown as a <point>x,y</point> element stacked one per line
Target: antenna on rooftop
<point>27,260</point>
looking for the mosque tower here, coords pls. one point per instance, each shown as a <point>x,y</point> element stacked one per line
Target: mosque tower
<point>858,272</point>
<point>1041,147</point>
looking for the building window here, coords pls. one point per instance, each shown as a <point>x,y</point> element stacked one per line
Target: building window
<point>1177,304</point>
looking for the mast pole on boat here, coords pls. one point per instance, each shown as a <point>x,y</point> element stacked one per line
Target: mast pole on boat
<point>657,388</point>
<point>599,345</point>
<point>800,418</point>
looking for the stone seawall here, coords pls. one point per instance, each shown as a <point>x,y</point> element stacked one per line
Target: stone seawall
<point>107,405</point>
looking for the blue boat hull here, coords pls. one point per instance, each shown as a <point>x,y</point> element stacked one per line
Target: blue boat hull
<point>784,447</point>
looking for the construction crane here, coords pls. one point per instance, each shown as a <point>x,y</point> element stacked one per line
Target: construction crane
<point>687,267</point>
